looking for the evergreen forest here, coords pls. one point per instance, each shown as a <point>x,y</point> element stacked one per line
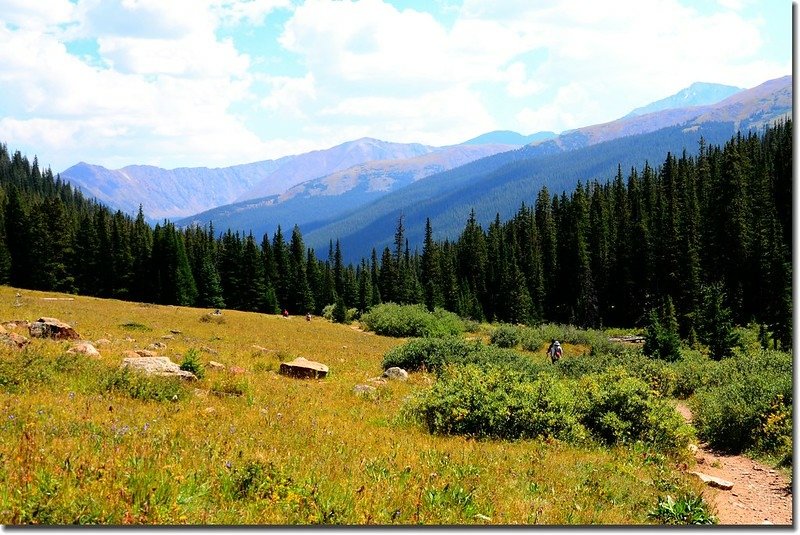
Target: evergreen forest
<point>712,228</point>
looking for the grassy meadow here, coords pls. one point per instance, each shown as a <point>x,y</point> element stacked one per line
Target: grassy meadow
<point>82,443</point>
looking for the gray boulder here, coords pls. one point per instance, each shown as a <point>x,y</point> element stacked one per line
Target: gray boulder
<point>160,366</point>
<point>52,328</point>
<point>395,374</point>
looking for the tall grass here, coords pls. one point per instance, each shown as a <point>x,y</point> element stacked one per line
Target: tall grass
<point>285,451</point>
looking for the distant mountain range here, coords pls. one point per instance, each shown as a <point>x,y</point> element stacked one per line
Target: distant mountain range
<point>507,137</point>
<point>697,94</point>
<point>500,183</point>
<point>184,191</point>
<point>357,190</point>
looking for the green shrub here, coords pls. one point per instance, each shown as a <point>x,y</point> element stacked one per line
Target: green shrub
<point>505,335</point>
<point>659,375</point>
<point>429,353</point>
<point>693,371</point>
<point>255,479</point>
<point>230,387</point>
<point>134,326</point>
<point>743,392</point>
<point>688,509</point>
<point>390,319</point>
<point>191,363</point>
<point>469,400</point>
<point>434,353</point>
<point>618,408</point>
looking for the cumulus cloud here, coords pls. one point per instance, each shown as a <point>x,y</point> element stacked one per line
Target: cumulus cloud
<point>148,81</point>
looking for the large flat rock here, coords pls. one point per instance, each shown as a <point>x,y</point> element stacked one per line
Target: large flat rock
<point>160,366</point>
<point>303,369</point>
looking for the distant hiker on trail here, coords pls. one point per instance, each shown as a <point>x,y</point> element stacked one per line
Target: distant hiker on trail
<point>308,316</point>
<point>285,313</point>
<point>554,351</point>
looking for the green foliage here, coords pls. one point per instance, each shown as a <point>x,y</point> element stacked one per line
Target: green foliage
<point>230,387</point>
<point>469,400</point>
<point>687,510</point>
<point>693,371</point>
<point>191,363</point>
<point>618,408</point>
<point>747,399</point>
<point>257,480</point>
<point>485,399</point>
<point>390,319</point>
<point>429,353</point>
<point>140,386</point>
<point>716,328</point>
<point>505,335</point>
<point>434,354</point>
<point>339,313</point>
<point>134,326</point>
<point>661,339</point>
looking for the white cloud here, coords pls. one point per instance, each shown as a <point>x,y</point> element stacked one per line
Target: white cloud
<point>26,14</point>
<point>164,88</point>
<point>288,94</point>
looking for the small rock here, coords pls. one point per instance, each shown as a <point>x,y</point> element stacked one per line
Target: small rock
<point>145,353</point>
<point>14,340</point>
<point>200,393</point>
<point>14,324</point>
<point>303,368</point>
<point>395,374</point>
<point>483,517</point>
<point>175,331</point>
<point>209,410</point>
<point>157,345</point>
<point>236,370</point>
<point>377,380</point>
<point>264,349</point>
<point>102,342</point>
<point>84,348</point>
<point>209,350</point>
<point>692,448</point>
<point>364,390</point>
<point>168,337</point>
<point>713,481</point>
<point>129,339</point>
<point>216,365</point>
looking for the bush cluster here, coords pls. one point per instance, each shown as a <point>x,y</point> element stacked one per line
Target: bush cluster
<point>470,400</point>
<point>747,404</point>
<point>487,401</point>
<point>390,319</point>
<point>433,354</point>
<point>505,335</point>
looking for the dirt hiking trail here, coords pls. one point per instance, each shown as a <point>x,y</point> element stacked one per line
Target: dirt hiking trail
<point>760,495</point>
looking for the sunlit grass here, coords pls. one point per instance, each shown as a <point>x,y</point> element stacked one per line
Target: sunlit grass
<point>285,451</point>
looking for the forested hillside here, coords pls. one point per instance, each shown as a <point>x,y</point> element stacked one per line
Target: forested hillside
<point>711,228</point>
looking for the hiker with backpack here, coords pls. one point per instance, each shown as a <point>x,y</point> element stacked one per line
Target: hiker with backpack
<point>554,351</point>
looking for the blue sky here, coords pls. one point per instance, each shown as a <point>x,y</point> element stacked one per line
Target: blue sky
<point>220,82</point>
